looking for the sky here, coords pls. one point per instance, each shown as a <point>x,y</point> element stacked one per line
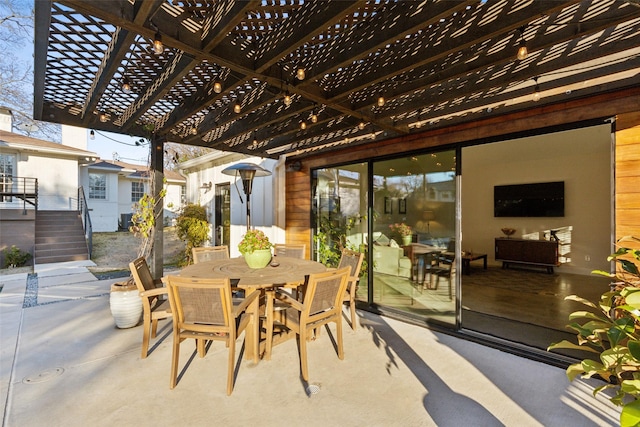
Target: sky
<point>109,145</point>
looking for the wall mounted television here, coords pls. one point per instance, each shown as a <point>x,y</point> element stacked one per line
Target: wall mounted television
<point>543,199</point>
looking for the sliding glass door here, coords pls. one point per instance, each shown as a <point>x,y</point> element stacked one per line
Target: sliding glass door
<point>406,229</point>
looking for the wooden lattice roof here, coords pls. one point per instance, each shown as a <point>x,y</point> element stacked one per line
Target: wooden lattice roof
<point>435,62</point>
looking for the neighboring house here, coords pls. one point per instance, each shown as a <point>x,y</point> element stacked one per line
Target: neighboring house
<point>225,200</point>
<point>35,167</point>
<point>114,187</point>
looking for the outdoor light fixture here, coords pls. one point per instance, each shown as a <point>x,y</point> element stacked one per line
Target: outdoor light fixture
<point>126,86</point>
<point>158,47</point>
<point>361,125</point>
<point>194,131</point>
<point>92,134</point>
<point>303,125</point>
<point>237,108</point>
<point>217,86</point>
<point>522,49</point>
<point>246,171</point>
<point>314,117</point>
<point>381,101</point>
<point>300,75</point>
<point>536,91</point>
<point>103,117</point>
<point>287,99</point>
<point>206,186</point>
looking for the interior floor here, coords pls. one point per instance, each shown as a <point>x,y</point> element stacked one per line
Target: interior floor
<point>520,305</point>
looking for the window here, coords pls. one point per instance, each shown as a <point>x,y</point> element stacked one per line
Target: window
<point>97,186</point>
<point>137,191</point>
<point>7,172</point>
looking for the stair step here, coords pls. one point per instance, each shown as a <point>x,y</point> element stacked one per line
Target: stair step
<point>60,258</point>
<point>61,246</point>
<point>58,239</point>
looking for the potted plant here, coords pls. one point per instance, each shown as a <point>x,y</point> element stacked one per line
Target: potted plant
<point>256,249</point>
<point>611,330</point>
<point>403,230</point>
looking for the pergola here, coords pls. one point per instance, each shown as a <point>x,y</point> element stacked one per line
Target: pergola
<point>299,78</point>
<point>294,77</point>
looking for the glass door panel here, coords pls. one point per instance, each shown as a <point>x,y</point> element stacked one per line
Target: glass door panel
<point>413,240</point>
<point>340,215</point>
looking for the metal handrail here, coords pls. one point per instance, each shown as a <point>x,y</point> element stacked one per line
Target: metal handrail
<point>83,208</point>
<point>22,188</point>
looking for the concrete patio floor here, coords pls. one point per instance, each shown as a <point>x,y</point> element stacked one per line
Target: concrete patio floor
<point>63,362</point>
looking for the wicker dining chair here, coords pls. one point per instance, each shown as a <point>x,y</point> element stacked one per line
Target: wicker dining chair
<point>203,310</point>
<point>209,253</point>
<point>290,250</point>
<point>320,305</point>
<point>353,260</point>
<point>154,306</point>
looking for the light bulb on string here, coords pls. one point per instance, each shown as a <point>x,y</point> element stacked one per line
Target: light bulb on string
<point>158,47</point>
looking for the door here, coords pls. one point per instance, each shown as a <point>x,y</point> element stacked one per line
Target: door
<point>222,219</point>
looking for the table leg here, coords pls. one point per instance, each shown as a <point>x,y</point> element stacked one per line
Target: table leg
<point>252,333</point>
<point>269,296</point>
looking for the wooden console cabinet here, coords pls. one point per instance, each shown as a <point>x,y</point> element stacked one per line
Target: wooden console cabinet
<point>540,253</point>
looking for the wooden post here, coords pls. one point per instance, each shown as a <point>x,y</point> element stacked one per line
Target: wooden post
<point>157,166</point>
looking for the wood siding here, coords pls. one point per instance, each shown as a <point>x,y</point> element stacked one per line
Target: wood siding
<point>627,175</point>
<point>624,106</point>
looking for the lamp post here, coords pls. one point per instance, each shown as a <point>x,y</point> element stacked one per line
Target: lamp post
<point>247,172</point>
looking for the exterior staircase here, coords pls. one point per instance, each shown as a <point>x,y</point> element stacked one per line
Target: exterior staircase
<point>59,237</point>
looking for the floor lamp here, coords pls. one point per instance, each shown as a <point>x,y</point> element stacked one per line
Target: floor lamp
<point>247,172</point>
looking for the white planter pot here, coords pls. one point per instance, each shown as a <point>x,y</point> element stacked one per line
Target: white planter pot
<point>125,304</point>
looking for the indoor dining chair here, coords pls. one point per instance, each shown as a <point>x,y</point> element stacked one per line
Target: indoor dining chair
<point>154,306</point>
<point>209,253</point>
<point>203,310</point>
<point>321,304</point>
<point>353,260</point>
<point>290,250</point>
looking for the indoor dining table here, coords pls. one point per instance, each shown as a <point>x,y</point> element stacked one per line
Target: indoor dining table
<point>281,272</point>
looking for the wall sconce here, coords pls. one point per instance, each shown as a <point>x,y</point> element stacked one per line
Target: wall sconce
<point>295,166</point>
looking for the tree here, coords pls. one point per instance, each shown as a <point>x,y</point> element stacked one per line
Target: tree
<point>16,72</point>
<point>176,153</point>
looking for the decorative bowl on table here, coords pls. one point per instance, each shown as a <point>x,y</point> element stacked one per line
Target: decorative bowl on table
<point>508,231</point>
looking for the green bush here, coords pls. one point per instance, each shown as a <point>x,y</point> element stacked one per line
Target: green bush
<point>14,257</point>
<point>192,228</point>
<point>610,329</point>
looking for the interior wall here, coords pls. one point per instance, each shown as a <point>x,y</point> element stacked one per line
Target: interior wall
<point>581,158</point>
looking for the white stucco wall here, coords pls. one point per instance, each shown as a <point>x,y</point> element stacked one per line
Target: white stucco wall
<point>57,179</point>
<point>581,158</point>
<point>263,197</point>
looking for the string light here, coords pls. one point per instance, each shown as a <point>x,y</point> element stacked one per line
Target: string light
<point>303,125</point>
<point>536,91</point>
<point>217,86</point>
<point>92,134</point>
<point>300,74</point>
<point>522,49</point>
<point>103,117</point>
<point>126,86</point>
<point>361,125</point>
<point>314,117</point>
<point>158,47</point>
<point>381,101</point>
<point>237,108</point>
<point>287,99</point>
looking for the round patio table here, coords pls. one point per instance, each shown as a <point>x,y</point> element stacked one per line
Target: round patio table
<point>290,272</point>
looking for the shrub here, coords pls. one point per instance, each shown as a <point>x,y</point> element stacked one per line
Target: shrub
<point>192,227</point>
<point>14,257</point>
<point>611,330</point>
